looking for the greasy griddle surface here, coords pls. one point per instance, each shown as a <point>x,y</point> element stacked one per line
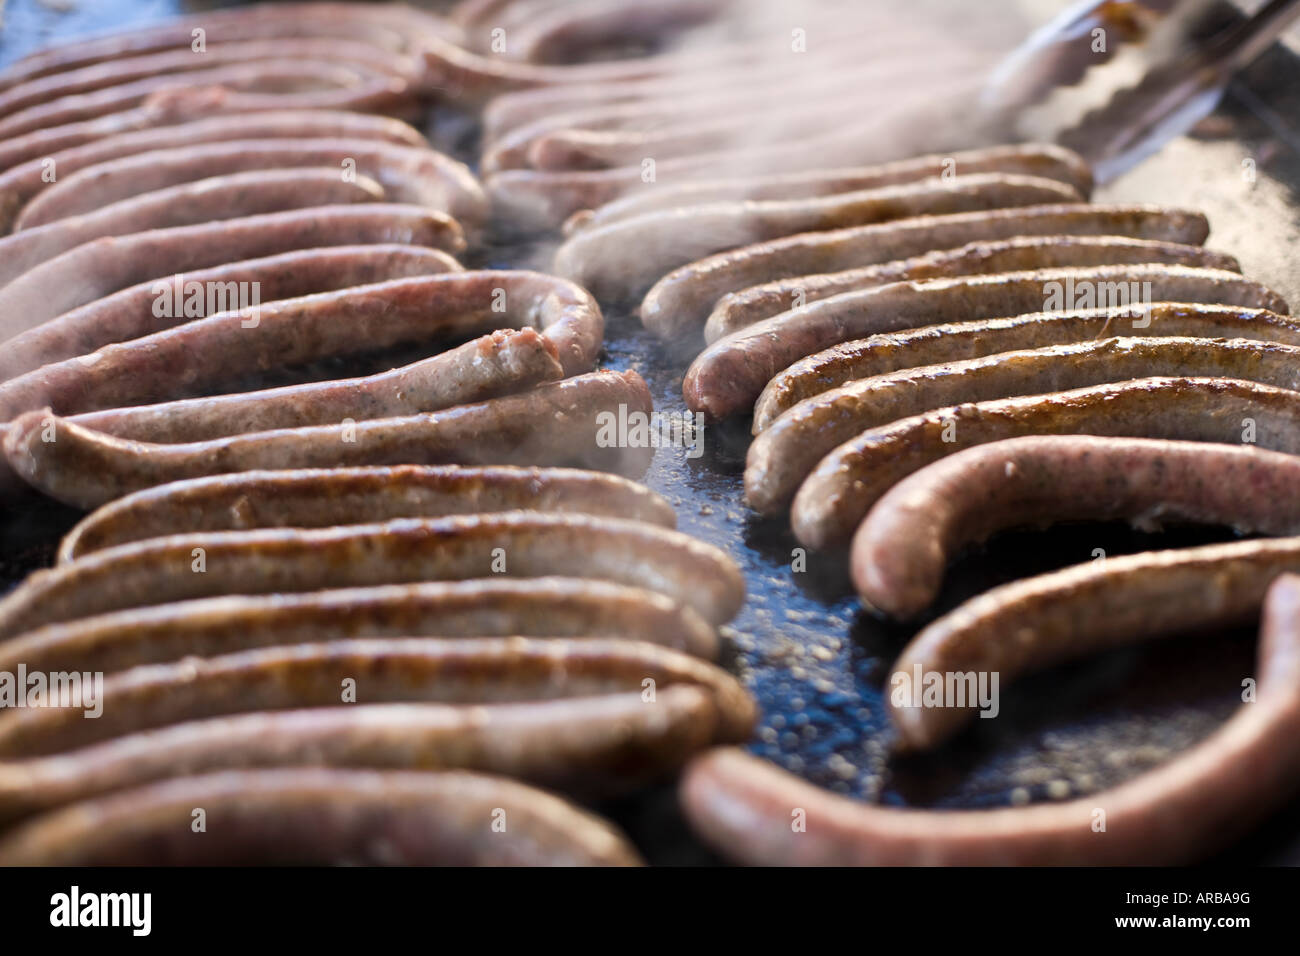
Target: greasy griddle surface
<point>815,662</point>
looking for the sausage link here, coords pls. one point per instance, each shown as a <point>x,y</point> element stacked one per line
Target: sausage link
<point>624,258</point>
<point>956,341</point>
<point>901,550</point>
<point>739,310</point>
<point>1178,812</point>
<point>781,457</point>
<point>557,424</point>
<point>319,498</point>
<point>321,816</point>
<point>129,313</point>
<point>835,498</point>
<point>727,378</point>
<point>550,607</point>
<point>691,291</point>
<point>82,275</point>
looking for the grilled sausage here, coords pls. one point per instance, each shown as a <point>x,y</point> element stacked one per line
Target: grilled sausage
<point>129,313</point>
<point>321,816</point>
<point>265,560</point>
<point>107,265</point>
<point>1197,801</point>
<point>564,423</point>
<point>319,498</point>
<point>783,456</point>
<point>729,375</point>
<point>900,551</point>
<point>956,341</point>
<point>835,498</point>
<point>205,200</point>
<point>684,297</point>
<point>624,258</point>
<point>738,310</point>
<point>550,607</point>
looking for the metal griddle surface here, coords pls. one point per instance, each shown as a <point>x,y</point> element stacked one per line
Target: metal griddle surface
<point>816,663</point>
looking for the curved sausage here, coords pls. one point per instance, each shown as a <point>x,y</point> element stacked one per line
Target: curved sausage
<point>728,377</point>
<point>624,258</point>
<point>690,292</point>
<point>129,313</point>
<point>261,561</point>
<point>550,607</point>
<point>956,341</point>
<point>901,550</point>
<point>786,453</point>
<point>319,498</point>
<point>320,816</point>
<point>835,498</point>
<point>107,265</point>
<point>739,310</point>
<point>204,200</point>
<point>566,423</point>
<point>1197,801</point>
<point>408,174</point>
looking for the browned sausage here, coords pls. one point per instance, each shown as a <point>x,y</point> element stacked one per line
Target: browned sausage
<point>318,498</point>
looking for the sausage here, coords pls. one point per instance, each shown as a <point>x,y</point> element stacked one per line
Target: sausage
<point>107,265</point>
<point>129,313</point>
<point>902,548</point>
<point>550,607</point>
<point>408,174</point>
<point>321,816</point>
<point>565,423</point>
<point>408,670</point>
<point>265,560</point>
<point>26,159</point>
<point>1087,608</point>
<point>956,341</point>
<point>205,200</point>
<point>1042,160</point>
<point>624,258</point>
<point>781,457</point>
<point>500,363</point>
<point>690,292</point>
<point>195,356</point>
<point>596,745</point>
<point>728,377</point>
<point>575,31</point>
<point>1178,812</point>
<point>835,498</point>
<point>319,498</point>
<point>739,310</point>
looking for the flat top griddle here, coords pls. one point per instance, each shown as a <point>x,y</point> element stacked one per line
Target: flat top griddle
<point>814,660</point>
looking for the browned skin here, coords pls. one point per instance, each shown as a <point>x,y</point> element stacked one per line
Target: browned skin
<point>727,378</point>
<point>547,607</point>
<point>77,146</point>
<point>318,498</point>
<point>500,363</point>
<point>739,310</point>
<point>556,424</point>
<point>319,816</point>
<point>99,268</point>
<point>268,560</point>
<point>957,341</point>
<point>624,258</point>
<point>129,313</point>
<point>835,498</point>
<point>573,31</point>
<point>685,297</point>
<point>781,457</point>
<point>206,200</point>
<point>409,174</point>
<point>199,356</point>
<point>901,550</point>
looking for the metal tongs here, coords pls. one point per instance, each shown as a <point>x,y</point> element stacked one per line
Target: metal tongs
<point>1174,93</point>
